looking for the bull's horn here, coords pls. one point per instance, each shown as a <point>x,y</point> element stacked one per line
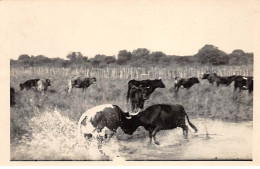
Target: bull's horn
<point>128,117</point>
<point>245,78</point>
<point>160,78</point>
<point>134,114</point>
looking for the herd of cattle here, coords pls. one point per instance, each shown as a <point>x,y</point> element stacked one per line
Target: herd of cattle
<point>103,118</point>
<point>139,91</point>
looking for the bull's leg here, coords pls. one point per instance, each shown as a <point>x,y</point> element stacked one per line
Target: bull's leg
<point>150,136</point>
<point>154,133</point>
<point>150,130</point>
<point>109,135</point>
<point>235,88</point>
<point>185,131</point>
<point>240,89</point>
<point>70,89</point>
<point>176,89</point>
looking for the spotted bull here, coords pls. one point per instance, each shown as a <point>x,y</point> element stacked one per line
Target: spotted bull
<point>42,85</point>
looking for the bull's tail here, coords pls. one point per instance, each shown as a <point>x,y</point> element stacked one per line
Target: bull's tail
<point>192,125</point>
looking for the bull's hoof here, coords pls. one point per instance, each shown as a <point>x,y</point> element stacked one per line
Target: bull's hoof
<point>157,143</point>
<point>88,136</point>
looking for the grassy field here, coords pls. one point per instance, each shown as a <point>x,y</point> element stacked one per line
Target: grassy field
<point>202,100</point>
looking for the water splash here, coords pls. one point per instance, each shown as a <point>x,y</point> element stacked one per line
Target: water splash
<point>54,137</point>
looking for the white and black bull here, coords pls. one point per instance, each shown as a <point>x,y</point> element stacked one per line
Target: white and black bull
<point>42,85</point>
<point>184,83</point>
<point>244,83</point>
<point>110,117</point>
<point>80,82</point>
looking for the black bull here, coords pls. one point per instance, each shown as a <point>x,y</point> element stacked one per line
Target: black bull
<point>80,82</point>
<point>153,119</point>
<point>147,87</point>
<point>29,84</point>
<point>185,83</point>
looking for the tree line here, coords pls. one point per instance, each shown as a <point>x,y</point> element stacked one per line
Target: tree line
<point>141,57</point>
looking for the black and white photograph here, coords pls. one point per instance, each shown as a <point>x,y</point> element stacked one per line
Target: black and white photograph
<point>130,81</point>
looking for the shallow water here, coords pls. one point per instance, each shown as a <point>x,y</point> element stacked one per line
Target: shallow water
<point>224,141</point>
<point>54,137</point>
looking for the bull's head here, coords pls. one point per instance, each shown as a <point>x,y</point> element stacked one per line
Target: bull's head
<point>21,86</point>
<point>48,81</point>
<point>205,75</point>
<point>93,80</point>
<point>158,83</point>
<point>196,80</point>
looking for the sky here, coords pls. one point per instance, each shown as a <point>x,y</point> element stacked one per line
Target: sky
<point>174,27</point>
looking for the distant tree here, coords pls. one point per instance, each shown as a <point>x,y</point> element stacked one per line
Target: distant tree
<point>239,57</point>
<point>76,56</point>
<point>238,52</point>
<point>98,60</point>
<point>109,59</point>
<point>156,56</point>
<point>123,57</point>
<point>23,57</point>
<point>40,60</point>
<point>210,54</point>
<point>72,56</point>
<point>140,52</point>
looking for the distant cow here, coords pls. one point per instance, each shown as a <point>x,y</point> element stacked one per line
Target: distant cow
<point>154,118</point>
<point>80,82</point>
<point>42,85</point>
<point>12,96</point>
<point>225,80</point>
<point>29,84</point>
<point>244,83</point>
<point>147,85</point>
<point>210,77</point>
<point>137,98</point>
<point>185,83</point>
<point>250,84</point>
